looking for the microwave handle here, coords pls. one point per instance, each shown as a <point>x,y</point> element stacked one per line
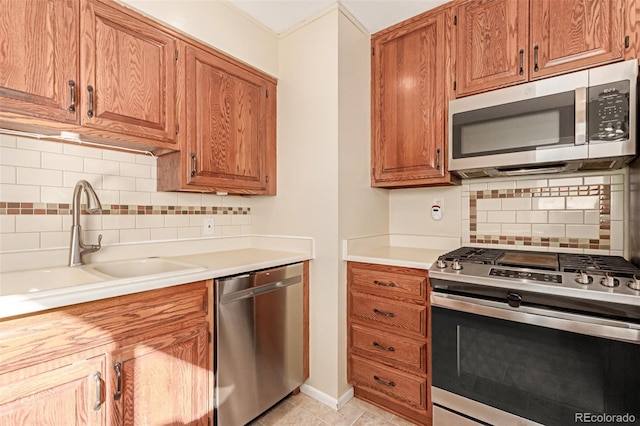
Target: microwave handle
<point>581,115</point>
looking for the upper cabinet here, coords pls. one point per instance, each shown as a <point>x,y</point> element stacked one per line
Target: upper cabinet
<point>229,142</point>
<point>505,42</point>
<point>410,76</point>
<point>89,67</point>
<point>128,74</point>
<point>39,58</point>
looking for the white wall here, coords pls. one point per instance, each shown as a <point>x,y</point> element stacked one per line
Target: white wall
<point>323,164</point>
<point>220,25</point>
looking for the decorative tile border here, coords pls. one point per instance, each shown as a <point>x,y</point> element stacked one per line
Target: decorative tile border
<point>603,192</point>
<point>9,208</point>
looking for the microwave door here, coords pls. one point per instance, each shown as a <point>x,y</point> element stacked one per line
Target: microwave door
<point>531,124</point>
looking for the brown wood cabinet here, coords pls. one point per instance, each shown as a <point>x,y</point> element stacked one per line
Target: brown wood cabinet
<point>121,361</point>
<point>89,67</point>
<point>229,144</point>
<point>388,338</point>
<point>128,74</point>
<point>505,42</point>
<point>410,74</point>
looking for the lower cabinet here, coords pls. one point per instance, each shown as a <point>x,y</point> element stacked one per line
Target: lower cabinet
<point>140,359</point>
<point>388,339</point>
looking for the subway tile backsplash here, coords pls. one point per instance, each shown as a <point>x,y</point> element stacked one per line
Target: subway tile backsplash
<point>577,213</point>
<point>36,186</point>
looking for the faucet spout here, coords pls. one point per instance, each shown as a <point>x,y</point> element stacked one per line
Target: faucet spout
<point>77,247</point>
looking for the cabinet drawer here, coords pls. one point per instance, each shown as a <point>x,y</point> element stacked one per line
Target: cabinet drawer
<point>389,280</point>
<point>400,315</point>
<point>397,384</point>
<point>389,348</point>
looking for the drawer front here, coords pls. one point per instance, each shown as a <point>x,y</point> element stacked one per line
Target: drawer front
<point>389,348</point>
<point>400,315</point>
<point>389,280</point>
<point>397,384</point>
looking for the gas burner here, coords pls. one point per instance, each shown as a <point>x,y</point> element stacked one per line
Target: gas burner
<point>474,255</point>
<point>596,264</point>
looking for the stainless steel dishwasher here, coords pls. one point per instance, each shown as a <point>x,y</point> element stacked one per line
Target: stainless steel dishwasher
<point>258,342</point>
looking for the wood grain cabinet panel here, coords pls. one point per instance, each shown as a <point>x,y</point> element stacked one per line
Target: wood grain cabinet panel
<point>409,103</point>
<point>158,338</point>
<point>505,42</point>
<point>71,395</point>
<point>39,58</point>
<point>128,74</point>
<point>492,44</point>
<point>388,338</point>
<point>568,35</point>
<point>230,141</point>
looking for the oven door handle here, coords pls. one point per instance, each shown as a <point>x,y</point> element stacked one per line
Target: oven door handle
<point>575,323</point>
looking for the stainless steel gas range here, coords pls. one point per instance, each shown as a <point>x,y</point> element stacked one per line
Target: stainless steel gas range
<point>524,337</point>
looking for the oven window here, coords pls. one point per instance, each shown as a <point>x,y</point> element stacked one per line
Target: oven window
<point>545,375</point>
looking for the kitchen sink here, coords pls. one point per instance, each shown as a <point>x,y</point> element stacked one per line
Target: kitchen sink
<point>151,267</point>
<point>45,279</point>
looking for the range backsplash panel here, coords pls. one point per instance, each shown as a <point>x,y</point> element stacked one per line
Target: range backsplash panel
<point>562,214</point>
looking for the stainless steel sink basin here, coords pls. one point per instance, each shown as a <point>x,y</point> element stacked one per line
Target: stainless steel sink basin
<point>151,267</point>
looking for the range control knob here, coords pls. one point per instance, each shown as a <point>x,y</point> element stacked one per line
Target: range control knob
<point>583,278</point>
<point>609,281</point>
<point>441,263</point>
<point>456,266</point>
<point>634,284</point>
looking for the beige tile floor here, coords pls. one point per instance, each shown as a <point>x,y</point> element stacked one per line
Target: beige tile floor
<point>302,410</point>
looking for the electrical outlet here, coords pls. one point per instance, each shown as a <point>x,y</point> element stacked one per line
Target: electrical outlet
<point>208,226</point>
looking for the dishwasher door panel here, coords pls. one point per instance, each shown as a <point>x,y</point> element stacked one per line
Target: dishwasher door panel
<point>259,343</point>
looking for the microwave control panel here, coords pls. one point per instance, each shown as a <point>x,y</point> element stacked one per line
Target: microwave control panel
<point>609,112</point>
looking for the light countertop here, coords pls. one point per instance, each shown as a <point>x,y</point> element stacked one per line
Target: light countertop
<point>57,288</point>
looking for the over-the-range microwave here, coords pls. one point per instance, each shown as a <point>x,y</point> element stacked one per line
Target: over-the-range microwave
<point>584,120</point>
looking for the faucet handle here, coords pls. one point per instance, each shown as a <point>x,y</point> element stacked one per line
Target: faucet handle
<point>99,245</point>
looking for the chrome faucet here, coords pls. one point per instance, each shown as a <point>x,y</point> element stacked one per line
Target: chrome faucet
<point>78,248</point>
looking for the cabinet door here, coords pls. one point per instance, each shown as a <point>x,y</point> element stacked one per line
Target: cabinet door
<point>70,395</point>
<point>163,380</point>
<point>128,74</point>
<point>409,104</point>
<point>492,44</point>
<point>39,58</point>
<point>230,125</point>
<point>567,35</point>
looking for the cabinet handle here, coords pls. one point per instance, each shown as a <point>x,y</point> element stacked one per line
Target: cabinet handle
<point>384,348</point>
<point>382,382</point>
<point>535,58</point>
<point>383,284</point>
<point>384,314</point>
<point>72,87</point>
<point>90,112</point>
<point>118,367</point>
<point>438,159</point>
<point>98,378</point>
<point>521,62</point>
<point>194,163</point>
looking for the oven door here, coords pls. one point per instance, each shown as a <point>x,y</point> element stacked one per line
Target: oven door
<point>505,366</point>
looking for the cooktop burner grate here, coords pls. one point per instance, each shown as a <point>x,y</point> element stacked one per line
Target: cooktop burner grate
<point>596,264</point>
<point>593,264</point>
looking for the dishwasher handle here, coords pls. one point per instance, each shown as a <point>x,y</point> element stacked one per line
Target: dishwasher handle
<point>256,291</point>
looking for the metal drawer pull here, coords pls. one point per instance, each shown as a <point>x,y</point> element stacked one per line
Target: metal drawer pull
<point>118,368</point>
<point>72,86</point>
<point>384,314</point>
<point>384,348</point>
<point>535,59</point>
<point>383,284</point>
<point>98,378</point>
<point>521,53</point>
<point>382,382</point>
<point>438,159</point>
<point>90,111</point>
